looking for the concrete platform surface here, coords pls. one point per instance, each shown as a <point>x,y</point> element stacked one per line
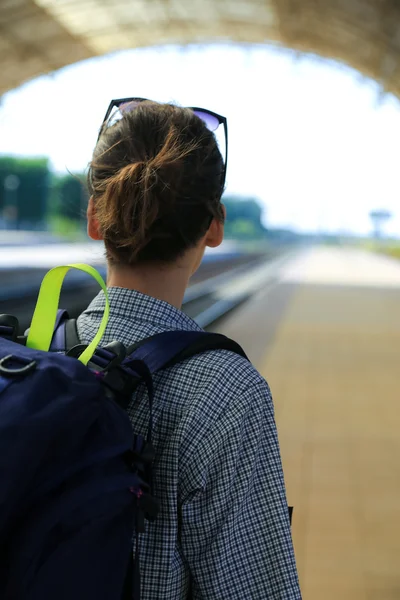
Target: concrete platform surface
<point>327,339</point>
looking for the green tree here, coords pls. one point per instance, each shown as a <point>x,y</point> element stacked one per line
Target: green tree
<point>24,192</point>
<point>70,197</point>
<point>243,218</point>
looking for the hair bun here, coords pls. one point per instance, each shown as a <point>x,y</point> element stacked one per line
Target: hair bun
<point>155,179</point>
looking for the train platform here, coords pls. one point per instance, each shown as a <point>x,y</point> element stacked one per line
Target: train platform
<point>35,250</point>
<point>326,335</point>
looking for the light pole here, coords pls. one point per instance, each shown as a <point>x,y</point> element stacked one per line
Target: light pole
<point>378,218</point>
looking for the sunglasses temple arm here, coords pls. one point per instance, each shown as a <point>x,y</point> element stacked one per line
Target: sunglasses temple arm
<point>107,116</point>
<point>226,149</point>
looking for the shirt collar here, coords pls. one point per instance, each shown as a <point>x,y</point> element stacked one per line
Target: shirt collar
<point>135,306</point>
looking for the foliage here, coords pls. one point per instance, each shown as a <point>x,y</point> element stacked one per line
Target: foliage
<point>70,197</point>
<point>24,190</point>
<point>243,219</point>
<point>31,197</point>
<point>390,248</point>
<point>66,228</point>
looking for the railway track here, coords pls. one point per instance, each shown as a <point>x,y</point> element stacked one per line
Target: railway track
<point>19,289</point>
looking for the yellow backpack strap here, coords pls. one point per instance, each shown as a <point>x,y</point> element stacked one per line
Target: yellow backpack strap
<point>44,316</point>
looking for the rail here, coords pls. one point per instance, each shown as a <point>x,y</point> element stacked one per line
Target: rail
<point>217,288</point>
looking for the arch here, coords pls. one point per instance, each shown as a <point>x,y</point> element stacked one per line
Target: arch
<point>40,36</point>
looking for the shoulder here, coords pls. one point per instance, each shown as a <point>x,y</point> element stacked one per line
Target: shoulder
<point>221,380</point>
<point>228,411</point>
<point>228,368</point>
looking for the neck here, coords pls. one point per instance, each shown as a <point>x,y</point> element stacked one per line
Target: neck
<point>162,282</point>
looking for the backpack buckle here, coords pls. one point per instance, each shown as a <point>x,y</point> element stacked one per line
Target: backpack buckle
<point>108,357</point>
<point>104,358</point>
<point>121,383</point>
<point>76,351</point>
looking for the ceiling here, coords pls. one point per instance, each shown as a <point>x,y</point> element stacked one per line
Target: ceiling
<point>40,36</point>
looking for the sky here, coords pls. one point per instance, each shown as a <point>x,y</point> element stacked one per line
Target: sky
<point>312,140</point>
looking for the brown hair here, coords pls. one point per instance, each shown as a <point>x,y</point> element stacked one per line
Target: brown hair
<point>156,181</point>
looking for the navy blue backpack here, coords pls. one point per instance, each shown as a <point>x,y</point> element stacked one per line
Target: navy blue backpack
<point>75,482</point>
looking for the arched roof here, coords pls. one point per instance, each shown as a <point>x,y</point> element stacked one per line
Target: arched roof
<point>40,36</point>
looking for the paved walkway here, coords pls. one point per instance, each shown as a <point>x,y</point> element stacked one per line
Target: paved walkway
<point>333,364</point>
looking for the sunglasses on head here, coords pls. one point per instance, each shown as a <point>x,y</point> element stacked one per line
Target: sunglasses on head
<point>211,119</point>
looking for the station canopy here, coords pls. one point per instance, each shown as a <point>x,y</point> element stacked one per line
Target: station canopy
<point>40,36</point>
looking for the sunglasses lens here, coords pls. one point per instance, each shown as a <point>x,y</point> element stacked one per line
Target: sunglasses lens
<point>128,106</point>
<point>212,123</point>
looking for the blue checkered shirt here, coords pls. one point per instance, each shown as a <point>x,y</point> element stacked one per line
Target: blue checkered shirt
<point>223,531</point>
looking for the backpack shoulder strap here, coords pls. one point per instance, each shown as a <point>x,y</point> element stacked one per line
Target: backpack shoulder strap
<point>71,334</point>
<point>205,343</point>
<point>171,347</point>
<point>158,352</point>
<point>65,335</point>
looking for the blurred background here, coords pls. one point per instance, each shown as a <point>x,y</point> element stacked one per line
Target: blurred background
<point>308,278</point>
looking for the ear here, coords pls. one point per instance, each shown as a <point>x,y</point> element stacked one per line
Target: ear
<point>93,227</point>
<point>215,233</point>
